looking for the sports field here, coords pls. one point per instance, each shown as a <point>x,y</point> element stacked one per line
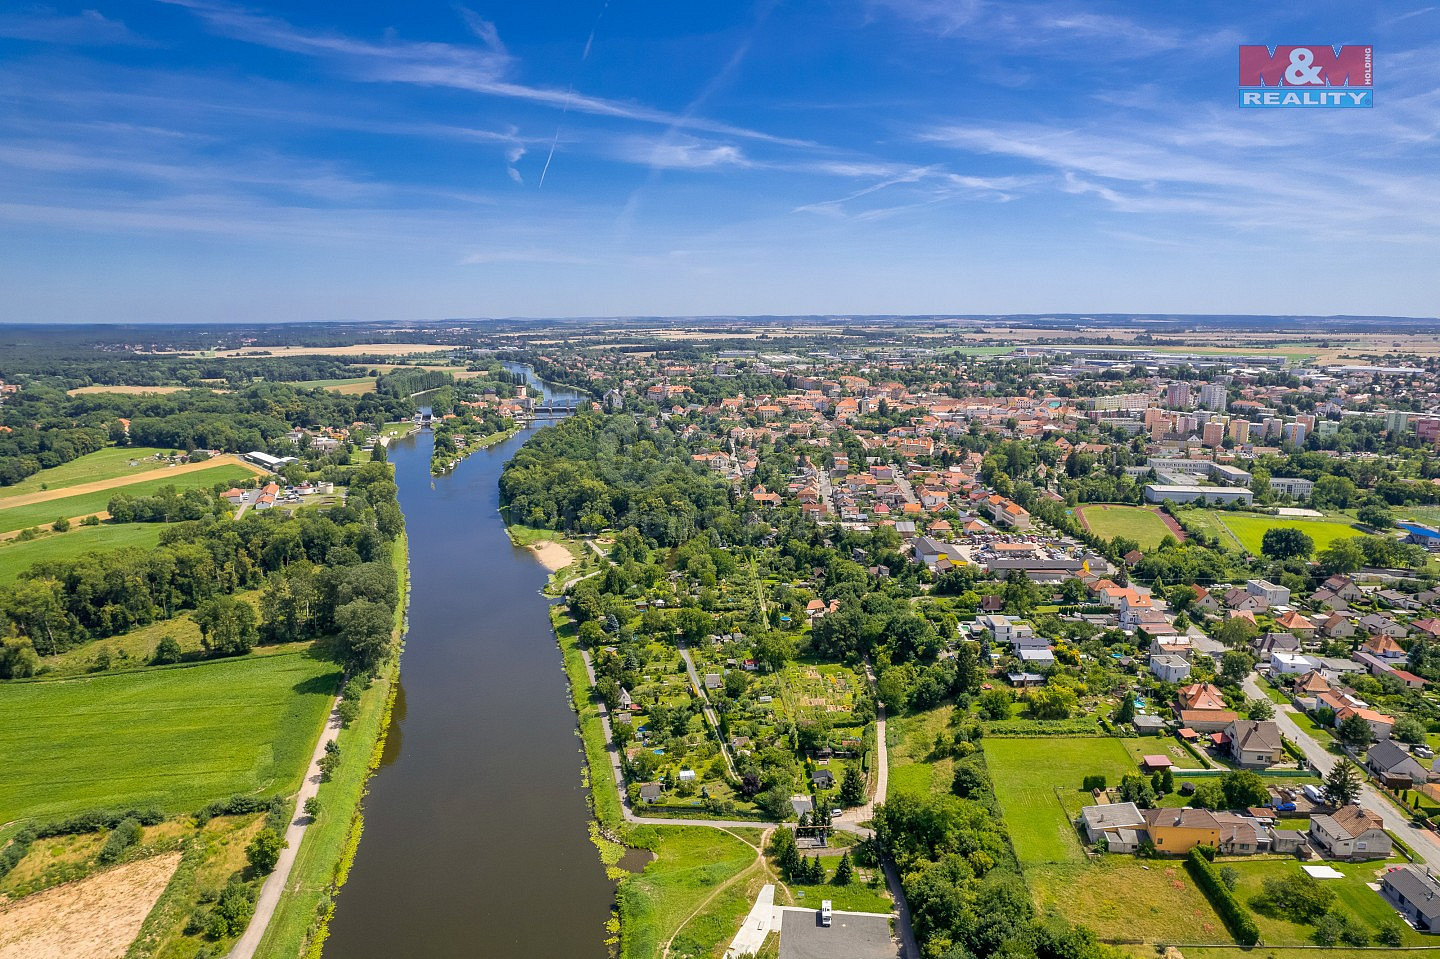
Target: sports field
<point>178,737</point>
<point>1033,777</point>
<point>83,504</point>
<point>1247,530</point>
<point>101,465</point>
<point>1139,523</point>
<point>16,556</point>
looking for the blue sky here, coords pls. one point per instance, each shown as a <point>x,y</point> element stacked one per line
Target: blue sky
<point>205,160</point>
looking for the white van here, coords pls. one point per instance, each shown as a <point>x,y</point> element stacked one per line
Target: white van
<point>825,912</point>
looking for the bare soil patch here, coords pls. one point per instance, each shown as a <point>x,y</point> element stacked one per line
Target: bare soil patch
<point>96,918</point>
<point>552,555</point>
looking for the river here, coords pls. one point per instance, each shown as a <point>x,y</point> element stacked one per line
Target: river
<point>475,840</point>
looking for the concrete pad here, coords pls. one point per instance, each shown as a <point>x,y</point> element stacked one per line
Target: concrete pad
<point>851,935</point>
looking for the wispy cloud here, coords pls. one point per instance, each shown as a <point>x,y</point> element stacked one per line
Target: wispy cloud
<point>485,257</point>
<point>488,70</point>
<point>88,28</point>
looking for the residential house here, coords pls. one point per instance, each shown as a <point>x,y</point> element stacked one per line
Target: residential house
<point>1391,762</point>
<point>650,792</point>
<point>1201,707</point>
<point>1170,668</point>
<point>1292,621</point>
<point>1121,826</point>
<point>1272,594</point>
<point>1383,647</point>
<point>1255,743</point>
<point>1352,832</point>
<point>1337,626</point>
<point>1175,832</point>
<point>822,779</point>
<point>1415,894</point>
<point>1269,644</point>
<point>1380,724</point>
<point>1373,623</point>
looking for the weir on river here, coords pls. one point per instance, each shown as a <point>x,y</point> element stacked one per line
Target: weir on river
<point>475,841</point>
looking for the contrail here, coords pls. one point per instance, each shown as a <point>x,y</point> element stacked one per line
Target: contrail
<point>555,140</point>
<point>589,42</point>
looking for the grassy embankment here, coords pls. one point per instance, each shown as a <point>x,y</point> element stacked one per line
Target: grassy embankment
<point>440,465</point>
<point>178,737</point>
<point>83,504</point>
<point>323,862</point>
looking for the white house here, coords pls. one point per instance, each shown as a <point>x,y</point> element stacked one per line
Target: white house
<point>1291,664</point>
<point>1170,668</point>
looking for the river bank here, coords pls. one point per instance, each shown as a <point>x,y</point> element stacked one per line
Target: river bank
<point>301,921</point>
<point>439,466</point>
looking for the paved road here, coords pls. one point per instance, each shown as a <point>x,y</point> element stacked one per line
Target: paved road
<point>1421,840</point>
<point>274,886</point>
<point>756,927</point>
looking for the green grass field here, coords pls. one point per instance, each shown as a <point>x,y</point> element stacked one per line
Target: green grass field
<point>1249,529</point>
<point>1028,774</point>
<point>691,862</point>
<point>15,557</point>
<point>1123,898</point>
<point>92,467</point>
<point>177,737</point>
<point>45,513</point>
<point>1352,897</point>
<point>1139,523</point>
<point>911,741</point>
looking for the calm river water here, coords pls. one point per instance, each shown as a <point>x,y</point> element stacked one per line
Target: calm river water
<point>475,840</point>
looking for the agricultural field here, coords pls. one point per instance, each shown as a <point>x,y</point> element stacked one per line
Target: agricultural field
<point>1142,524</point>
<point>354,386</point>
<point>1246,530</point>
<point>1037,782</point>
<point>177,737</point>
<point>16,556</point>
<point>82,504</point>
<point>127,390</point>
<point>101,465</point>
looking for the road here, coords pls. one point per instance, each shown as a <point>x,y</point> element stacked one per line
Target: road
<point>1421,840</point>
<point>274,886</point>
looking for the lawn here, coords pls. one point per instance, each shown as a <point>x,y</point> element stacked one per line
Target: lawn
<point>45,513</point>
<point>911,741</point>
<point>1138,523</point>
<point>101,465</point>
<point>178,737</point>
<point>1352,897</point>
<point>1123,898</point>
<point>1249,529</point>
<point>16,557</point>
<point>1037,782</point>
<point>670,897</point>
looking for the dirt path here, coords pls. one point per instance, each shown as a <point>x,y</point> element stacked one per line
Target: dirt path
<point>274,886</point>
<point>95,918</point>
<point>759,862</point>
<point>116,482</point>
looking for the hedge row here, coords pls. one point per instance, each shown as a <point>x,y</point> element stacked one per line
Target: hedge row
<point>1236,919</point>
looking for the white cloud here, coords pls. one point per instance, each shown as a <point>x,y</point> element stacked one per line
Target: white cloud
<point>88,28</point>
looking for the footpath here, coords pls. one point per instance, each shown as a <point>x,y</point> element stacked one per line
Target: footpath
<point>274,885</point>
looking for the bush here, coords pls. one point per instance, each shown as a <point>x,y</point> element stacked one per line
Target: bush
<point>264,850</point>
<point>1090,783</point>
<point>1236,919</point>
<point>167,651</point>
<point>349,711</point>
<point>121,838</point>
<point>1297,896</point>
<point>15,850</point>
<point>240,806</point>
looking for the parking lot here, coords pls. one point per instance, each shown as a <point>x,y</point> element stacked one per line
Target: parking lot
<point>850,936</point>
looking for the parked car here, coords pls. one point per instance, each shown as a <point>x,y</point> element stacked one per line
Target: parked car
<point>825,913</point>
<point>1285,806</point>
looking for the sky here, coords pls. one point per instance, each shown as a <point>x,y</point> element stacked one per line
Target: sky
<point>202,160</point>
